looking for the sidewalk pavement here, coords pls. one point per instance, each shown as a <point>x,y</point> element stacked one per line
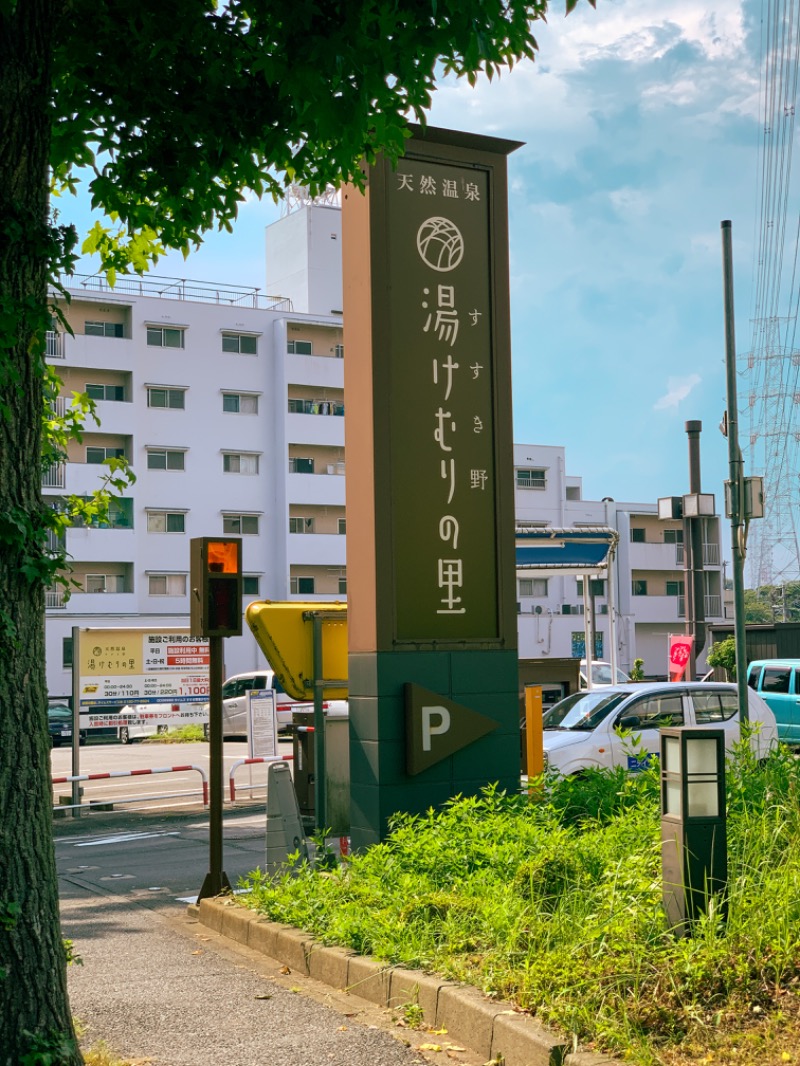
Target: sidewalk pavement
<point>159,988</point>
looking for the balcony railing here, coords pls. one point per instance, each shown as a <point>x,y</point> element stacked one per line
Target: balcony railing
<point>55,477</point>
<point>54,598</point>
<point>54,542</point>
<point>710,554</point>
<point>54,344</point>
<point>713,606</point>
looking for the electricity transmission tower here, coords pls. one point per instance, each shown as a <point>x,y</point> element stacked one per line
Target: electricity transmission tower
<point>771,373</point>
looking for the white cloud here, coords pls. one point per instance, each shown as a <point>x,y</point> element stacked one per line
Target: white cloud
<point>677,390</point>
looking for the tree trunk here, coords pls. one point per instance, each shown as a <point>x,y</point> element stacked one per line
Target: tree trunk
<point>34,1008</point>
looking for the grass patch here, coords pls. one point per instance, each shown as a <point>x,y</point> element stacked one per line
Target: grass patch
<point>183,734</point>
<point>557,907</point>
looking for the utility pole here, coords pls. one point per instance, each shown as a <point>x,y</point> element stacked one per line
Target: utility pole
<point>693,555</point>
<point>736,474</point>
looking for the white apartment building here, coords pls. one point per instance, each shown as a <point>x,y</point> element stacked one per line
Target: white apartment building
<point>229,406</point>
<point>649,592</point>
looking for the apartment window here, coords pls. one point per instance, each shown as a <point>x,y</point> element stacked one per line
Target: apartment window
<point>342,586</point>
<point>303,586</point>
<point>240,403</point>
<point>675,588</point>
<point>165,459</point>
<point>531,479</point>
<point>342,525</point>
<point>673,536</point>
<point>99,455</point>
<point>104,583</point>
<point>240,463</point>
<point>240,343</point>
<point>66,652</point>
<point>105,392</point>
<point>250,585</point>
<point>639,588</point>
<point>301,525</point>
<point>637,536</point>
<point>338,351</point>
<point>533,586</point>
<point>300,466</point>
<point>175,399</point>
<point>597,586</point>
<point>299,348</point>
<point>166,522</point>
<point>245,525</point>
<point>103,329</point>
<point>164,337</point>
<point>166,584</point>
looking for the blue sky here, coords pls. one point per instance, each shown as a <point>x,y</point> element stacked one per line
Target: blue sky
<point>641,123</point>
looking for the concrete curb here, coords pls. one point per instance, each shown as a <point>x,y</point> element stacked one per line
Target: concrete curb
<point>491,1028</point>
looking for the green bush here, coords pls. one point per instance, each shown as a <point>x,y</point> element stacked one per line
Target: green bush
<point>556,905</point>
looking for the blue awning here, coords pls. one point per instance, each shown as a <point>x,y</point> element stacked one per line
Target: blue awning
<point>587,550</point>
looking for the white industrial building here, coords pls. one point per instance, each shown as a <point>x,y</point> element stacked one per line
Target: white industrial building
<point>229,406</point>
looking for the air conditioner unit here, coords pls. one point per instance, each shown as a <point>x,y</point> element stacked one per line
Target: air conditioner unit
<point>538,609</point>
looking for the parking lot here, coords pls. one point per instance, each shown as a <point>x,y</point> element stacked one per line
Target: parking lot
<point>148,791</point>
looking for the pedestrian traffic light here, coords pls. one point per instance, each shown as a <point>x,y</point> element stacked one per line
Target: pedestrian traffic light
<point>216,587</point>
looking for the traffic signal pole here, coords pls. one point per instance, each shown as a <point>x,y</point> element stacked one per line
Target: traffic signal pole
<point>215,612</point>
<point>216,880</point>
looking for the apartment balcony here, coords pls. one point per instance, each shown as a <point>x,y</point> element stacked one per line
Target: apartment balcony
<point>107,545</point>
<point>103,603</point>
<point>655,609</point>
<point>323,489</point>
<point>113,353</point>
<point>310,429</point>
<point>317,549</point>
<point>656,556</point>
<point>116,416</point>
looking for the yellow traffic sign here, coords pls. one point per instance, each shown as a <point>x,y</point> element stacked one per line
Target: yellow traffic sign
<point>285,633</point>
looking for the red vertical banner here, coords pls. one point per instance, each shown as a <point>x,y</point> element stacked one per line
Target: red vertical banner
<point>680,649</point>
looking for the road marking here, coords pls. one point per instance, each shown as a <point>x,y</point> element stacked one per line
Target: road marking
<point>124,838</point>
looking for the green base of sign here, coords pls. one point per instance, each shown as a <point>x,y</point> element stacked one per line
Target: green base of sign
<point>484,681</point>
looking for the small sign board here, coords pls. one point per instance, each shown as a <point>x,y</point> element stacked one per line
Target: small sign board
<point>262,724</point>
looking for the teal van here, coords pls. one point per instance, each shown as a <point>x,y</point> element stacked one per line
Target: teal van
<point>777,681</point>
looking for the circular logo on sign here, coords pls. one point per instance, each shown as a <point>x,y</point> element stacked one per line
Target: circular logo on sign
<point>440,244</point>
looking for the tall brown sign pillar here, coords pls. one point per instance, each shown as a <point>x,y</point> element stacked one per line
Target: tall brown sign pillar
<point>433,666</point>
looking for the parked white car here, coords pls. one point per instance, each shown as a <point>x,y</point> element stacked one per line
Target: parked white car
<point>583,730</point>
<point>234,701</point>
<point>602,674</point>
<point>141,720</point>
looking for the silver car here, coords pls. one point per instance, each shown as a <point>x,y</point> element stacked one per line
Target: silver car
<point>585,730</point>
